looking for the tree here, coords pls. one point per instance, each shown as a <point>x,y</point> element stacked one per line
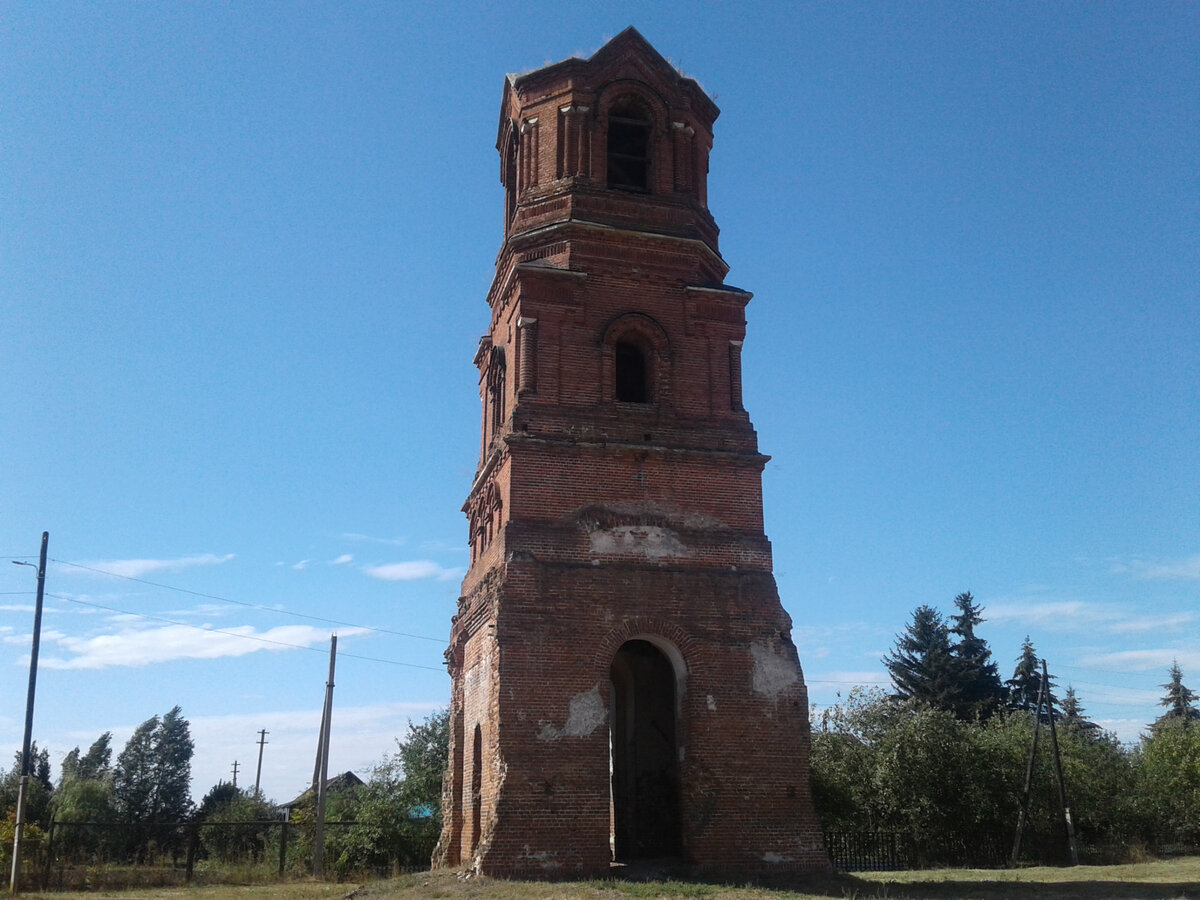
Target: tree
<point>922,665</point>
<point>37,797</point>
<point>1072,716</point>
<point>93,765</point>
<point>398,814</point>
<point>979,680</point>
<point>1027,679</point>
<point>1179,700</point>
<point>220,796</point>
<point>154,772</point>
<point>133,784</point>
<point>172,767</point>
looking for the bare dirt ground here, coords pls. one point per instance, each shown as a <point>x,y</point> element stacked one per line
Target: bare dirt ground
<point>1165,880</point>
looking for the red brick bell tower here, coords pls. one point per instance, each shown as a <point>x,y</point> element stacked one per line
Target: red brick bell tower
<point>624,681</point>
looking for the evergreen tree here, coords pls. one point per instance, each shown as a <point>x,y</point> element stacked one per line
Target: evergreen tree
<point>172,767</point>
<point>133,785</point>
<point>979,679</point>
<point>922,665</point>
<point>1027,678</point>
<point>91,766</point>
<point>1179,699</point>
<point>96,763</point>
<point>1073,717</point>
<point>153,773</point>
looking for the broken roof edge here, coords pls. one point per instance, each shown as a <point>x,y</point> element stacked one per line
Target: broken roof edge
<point>631,37</point>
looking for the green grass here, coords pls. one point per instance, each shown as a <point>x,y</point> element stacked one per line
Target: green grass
<point>1164,880</point>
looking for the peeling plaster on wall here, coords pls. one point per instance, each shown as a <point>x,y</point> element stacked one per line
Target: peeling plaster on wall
<point>772,673</point>
<point>585,713</point>
<point>545,857</point>
<point>650,541</point>
<point>712,703</point>
<point>776,858</point>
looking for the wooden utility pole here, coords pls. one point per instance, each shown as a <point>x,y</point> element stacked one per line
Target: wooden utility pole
<point>235,768</point>
<point>262,739</point>
<point>323,767</point>
<point>23,790</point>
<point>1062,790</point>
<point>1023,815</point>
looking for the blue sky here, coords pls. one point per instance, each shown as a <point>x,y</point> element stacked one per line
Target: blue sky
<point>244,251</point>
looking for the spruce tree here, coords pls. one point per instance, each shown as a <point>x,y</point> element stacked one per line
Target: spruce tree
<point>979,679</point>
<point>1027,678</point>
<point>1179,700</point>
<point>1073,716</point>
<point>922,665</point>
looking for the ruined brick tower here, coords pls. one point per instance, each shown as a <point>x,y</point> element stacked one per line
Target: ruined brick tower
<point>624,681</point>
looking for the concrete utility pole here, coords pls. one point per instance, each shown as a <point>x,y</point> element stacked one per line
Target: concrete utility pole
<point>323,767</point>
<point>262,739</point>
<point>23,790</point>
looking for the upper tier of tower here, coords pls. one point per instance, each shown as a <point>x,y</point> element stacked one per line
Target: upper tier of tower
<point>620,139</point>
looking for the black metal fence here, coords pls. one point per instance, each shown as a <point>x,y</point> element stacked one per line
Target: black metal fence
<point>866,851</point>
<point>100,855</point>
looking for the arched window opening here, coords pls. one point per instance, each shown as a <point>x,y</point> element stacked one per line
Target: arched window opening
<point>476,789</point>
<point>632,371</point>
<point>646,812</point>
<point>629,147</point>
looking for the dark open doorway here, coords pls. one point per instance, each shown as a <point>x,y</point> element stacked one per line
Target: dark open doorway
<point>645,756</point>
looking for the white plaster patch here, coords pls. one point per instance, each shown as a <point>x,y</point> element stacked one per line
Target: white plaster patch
<point>712,703</point>
<point>585,713</point>
<point>545,857</point>
<point>650,541</point>
<point>775,858</point>
<point>772,673</point>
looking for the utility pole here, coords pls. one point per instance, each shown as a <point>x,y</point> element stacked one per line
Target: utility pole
<point>23,790</point>
<point>235,768</point>
<point>323,767</point>
<point>262,739</point>
<point>1062,790</point>
<point>1023,815</point>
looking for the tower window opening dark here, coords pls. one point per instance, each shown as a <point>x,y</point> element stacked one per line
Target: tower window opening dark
<point>632,373</point>
<point>628,148</point>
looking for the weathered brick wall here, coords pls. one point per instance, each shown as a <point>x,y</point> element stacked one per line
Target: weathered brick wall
<point>596,521</point>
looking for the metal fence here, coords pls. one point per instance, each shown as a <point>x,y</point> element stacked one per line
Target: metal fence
<point>866,851</point>
<point>100,855</point>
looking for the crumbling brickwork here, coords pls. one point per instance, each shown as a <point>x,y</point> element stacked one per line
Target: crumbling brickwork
<point>624,682</point>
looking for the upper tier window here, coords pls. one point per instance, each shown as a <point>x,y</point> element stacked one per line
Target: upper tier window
<point>628,148</point>
<point>632,373</point>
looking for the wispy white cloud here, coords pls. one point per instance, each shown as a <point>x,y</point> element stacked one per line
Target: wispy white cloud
<point>1143,660</point>
<point>412,571</point>
<point>1186,569</point>
<point>366,538</point>
<point>302,565</point>
<point>138,647</point>
<point>138,568</point>
<point>1066,615</point>
<point>342,560</point>
<point>1141,624</point>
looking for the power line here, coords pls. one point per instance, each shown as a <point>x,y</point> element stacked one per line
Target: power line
<point>249,637</point>
<point>258,606</point>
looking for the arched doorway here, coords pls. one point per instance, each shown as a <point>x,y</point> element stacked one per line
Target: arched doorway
<point>646,820</point>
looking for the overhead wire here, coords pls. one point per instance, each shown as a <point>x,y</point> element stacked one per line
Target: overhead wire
<point>249,637</point>
<point>258,606</point>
